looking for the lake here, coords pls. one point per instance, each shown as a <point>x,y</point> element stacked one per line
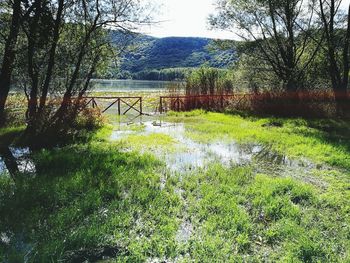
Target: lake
<point>131,85</point>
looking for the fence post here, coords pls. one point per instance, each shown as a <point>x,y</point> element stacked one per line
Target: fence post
<point>119,106</point>
<point>141,106</point>
<point>161,105</point>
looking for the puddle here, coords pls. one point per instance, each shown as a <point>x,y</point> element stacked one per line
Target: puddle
<point>190,154</point>
<point>16,242</point>
<point>14,160</point>
<point>185,232</point>
<point>117,135</point>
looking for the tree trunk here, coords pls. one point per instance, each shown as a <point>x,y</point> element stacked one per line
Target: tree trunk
<point>8,59</point>
<point>10,161</point>
<point>52,53</point>
<point>32,67</point>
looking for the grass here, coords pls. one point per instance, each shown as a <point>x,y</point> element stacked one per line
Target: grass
<point>9,135</point>
<point>93,199</point>
<point>90,197</point>
<point>296,138</point>
<point>238,216</point>
<point>150,142</point>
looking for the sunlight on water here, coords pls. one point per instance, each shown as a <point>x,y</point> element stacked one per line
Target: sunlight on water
<point>20,157</point>
<point>130,85</point>
<point>190,154</point>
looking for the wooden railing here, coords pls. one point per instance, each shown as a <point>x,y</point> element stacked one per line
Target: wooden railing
<point>135,104</point>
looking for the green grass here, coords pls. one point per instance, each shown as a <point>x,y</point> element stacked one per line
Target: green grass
<point>93,197</point>
<point>239,216</point>
<point>101,135</point>
<point>295,138</point>
<point>9,135</point>
<point>151,142</point>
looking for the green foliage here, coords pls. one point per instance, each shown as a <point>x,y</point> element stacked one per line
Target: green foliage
<point>149,56</point>
<point>207,80</point>
<point>251,74</point>
<point>168,74</point>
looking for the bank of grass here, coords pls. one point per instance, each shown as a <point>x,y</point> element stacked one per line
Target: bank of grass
<point>93,200</point>
<point>238,216</point>
<point>321,141</point>
<point>89,200</point>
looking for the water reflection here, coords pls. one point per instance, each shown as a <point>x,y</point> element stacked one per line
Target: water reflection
<point>191,154</point>
<point>131,85</point>
<point>15,160</point>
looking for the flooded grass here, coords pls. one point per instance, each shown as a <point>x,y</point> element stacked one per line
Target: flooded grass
<point>296,138</point>
<point>180,145</point>
<point>189,187</point>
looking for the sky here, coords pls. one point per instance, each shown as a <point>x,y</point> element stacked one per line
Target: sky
<point>188,18</point>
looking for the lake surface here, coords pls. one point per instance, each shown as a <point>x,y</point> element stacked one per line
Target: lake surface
<point>132,85</point>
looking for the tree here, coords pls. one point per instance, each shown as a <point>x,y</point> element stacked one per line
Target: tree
<point>65,44</point>
<point>9,57</point>
<point>336,26</point>
<point>282,30</point>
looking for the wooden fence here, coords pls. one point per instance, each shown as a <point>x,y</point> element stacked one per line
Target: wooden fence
<point>132,103</point>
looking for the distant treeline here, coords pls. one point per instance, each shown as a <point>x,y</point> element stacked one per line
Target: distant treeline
<point>163,74</point>
<point>173,74</point>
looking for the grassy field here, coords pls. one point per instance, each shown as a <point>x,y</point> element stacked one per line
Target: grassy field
<point>99,199</point>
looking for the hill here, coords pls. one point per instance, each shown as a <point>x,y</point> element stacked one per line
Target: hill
<point>151,58</point>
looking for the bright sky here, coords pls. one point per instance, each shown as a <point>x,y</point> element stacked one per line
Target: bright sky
<point>189,18</point>
<point>185,18</point>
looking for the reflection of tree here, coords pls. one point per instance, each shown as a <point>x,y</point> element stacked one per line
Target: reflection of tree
<point>9,160</point>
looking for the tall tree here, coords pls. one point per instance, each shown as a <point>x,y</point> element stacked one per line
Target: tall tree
<point>336,26</point>
<point>281,29</point>
<point>66,42</point>
<point>9,57</point>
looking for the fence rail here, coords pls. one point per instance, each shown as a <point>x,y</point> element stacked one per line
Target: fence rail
<point>135,104</point>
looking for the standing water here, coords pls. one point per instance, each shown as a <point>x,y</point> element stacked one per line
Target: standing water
<point>131,85</point>
<point>190,154</point>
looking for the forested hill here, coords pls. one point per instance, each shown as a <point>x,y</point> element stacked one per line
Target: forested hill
<point>148,55</point>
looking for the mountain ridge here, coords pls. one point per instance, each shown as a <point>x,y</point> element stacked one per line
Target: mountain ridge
<point>148,53</point>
